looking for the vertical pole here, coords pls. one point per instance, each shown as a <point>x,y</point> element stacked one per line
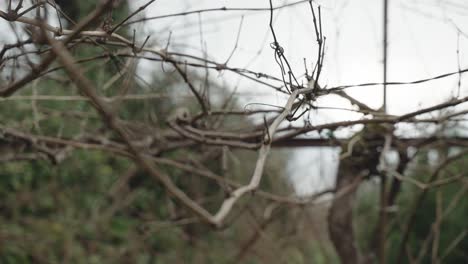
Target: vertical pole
<point>383,197</point>
<point>385,44</point>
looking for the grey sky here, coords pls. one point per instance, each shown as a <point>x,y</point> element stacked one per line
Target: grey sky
<point>423,40</point>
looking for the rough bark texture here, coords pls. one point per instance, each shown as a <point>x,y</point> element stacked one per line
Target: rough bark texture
<point>359,159</point>
<point>340,224</point>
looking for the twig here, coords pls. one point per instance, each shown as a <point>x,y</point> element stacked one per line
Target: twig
<point>258,172</point>
<point>134,13</point>
<point>107,114</point>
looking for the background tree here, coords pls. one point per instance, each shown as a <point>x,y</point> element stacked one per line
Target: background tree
<point>100,165</point>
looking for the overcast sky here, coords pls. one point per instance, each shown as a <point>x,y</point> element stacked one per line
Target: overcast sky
<point>423,40</point>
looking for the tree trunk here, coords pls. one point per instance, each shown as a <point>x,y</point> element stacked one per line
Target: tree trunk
<point>340,217</point>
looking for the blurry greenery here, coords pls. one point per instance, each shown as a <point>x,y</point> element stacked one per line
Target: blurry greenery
<point>87,209</point>
<point>453,223</point>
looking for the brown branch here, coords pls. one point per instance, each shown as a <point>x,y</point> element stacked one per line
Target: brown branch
<point>12,88</point>
<point>88,89</point>
<point>192,88</point>
<point>222,9</point>
<point>420,199</point>
<point>134,13</point>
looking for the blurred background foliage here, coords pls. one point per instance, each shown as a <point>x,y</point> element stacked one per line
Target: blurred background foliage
<point>95,207</point>
<point>447,202</point>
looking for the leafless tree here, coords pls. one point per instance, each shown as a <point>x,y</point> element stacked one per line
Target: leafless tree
<point>48,51</point>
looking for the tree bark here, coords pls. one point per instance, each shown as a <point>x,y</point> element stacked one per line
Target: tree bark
<point>340,217</point>
<point>359,159</point>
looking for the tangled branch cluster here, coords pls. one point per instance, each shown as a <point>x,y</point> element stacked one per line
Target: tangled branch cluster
<point>49,51</point>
